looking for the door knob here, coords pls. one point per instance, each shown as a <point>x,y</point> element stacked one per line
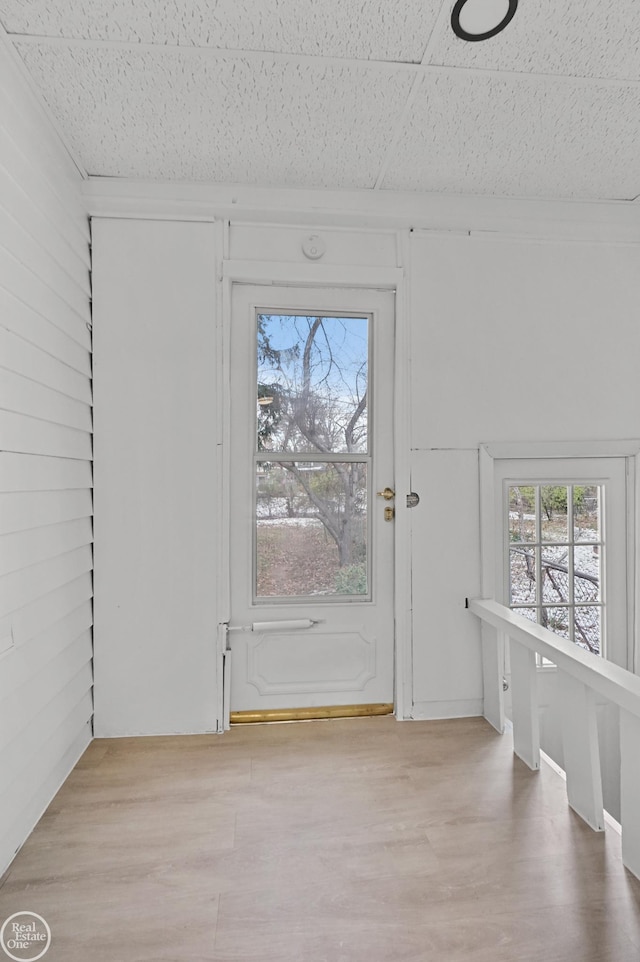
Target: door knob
<point>388,494</point>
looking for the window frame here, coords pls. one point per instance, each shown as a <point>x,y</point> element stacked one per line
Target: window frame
<point>538,543</point>
<point>317,457</point>
<point>492,548</point>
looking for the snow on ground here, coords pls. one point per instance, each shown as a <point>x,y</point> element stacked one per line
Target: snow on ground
<point>290,522</point>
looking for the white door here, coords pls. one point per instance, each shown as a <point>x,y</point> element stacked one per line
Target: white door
<point>311,542</point>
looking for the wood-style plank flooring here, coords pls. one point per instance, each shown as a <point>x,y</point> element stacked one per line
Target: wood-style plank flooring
<point>339,841</point>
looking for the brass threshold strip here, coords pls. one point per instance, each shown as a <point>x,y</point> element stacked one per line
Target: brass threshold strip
<point>308,714</point>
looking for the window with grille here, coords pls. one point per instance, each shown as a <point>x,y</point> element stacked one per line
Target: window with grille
<point>556,559</point>
<point>312,454</point>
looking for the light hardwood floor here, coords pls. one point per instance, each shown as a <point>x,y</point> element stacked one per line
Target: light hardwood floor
<point>337,841</point>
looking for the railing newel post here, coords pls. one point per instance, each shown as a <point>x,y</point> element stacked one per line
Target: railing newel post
<point>630,790</point>
<point>581,749</point>
<point>492,673</point>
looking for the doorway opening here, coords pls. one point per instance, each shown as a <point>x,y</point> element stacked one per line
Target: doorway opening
<point>311,543</point>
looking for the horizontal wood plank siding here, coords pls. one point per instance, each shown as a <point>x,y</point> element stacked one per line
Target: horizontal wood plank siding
<point>42,781</point>
<point>38,652</point>
<point>22,511</point>
<point>27,435</point>
<point>23,472</point>
<point>26,623</point>
<point>52,296</point>
<point>18,393</point>
<point>33,242</point>
<point>21,202</point>
<point>44,689</point>
<point>46,529</point>
<point>22,324</point>
<point>20,588</point>
<point>35,183</point>
<point>25,548</point>
<point>52,725</point>
<point>25,123</point>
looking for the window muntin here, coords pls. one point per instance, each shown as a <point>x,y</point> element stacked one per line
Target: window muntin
<point>556,559</point>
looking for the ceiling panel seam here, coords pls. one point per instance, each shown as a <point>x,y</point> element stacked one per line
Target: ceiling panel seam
<point>402,119</point>
<point>443,14</point>
<point>217,53</point>
<point>419,69</point>
<point>395,137</point>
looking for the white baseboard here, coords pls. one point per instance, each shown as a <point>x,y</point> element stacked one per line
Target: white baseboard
<point>462,708</point>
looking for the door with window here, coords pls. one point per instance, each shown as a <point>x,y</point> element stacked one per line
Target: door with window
<point>311,540</point>
<point>562,529</point>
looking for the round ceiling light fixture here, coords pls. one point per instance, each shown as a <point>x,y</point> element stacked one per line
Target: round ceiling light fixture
<point>481,19</point>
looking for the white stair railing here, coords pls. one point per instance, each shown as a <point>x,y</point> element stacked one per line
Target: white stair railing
<point>581,677</point>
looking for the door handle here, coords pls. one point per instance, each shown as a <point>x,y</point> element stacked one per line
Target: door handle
<point>388,494</point>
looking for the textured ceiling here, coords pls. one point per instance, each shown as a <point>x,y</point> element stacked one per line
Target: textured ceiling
<point>342,93</point>
<point>360,29</point>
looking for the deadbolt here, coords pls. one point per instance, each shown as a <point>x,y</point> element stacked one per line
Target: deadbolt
<point>388,494</point>
<point>389,514</point>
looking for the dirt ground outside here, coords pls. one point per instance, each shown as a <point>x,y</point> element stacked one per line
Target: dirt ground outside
<point>295,559</point>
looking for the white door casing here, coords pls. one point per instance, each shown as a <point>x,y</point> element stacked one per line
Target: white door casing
<point>347,655</point>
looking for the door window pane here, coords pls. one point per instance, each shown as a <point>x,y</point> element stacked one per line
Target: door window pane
<point>311,529</point>
<point>312,381</point>
<point>312,392</point>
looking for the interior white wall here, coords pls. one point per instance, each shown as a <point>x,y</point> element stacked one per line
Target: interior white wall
<point>156,486</point>
<point>513,339</point>
<point>510,338</point>
<point>45,464</point>
<point>524,339</point>
<point>447,666</point>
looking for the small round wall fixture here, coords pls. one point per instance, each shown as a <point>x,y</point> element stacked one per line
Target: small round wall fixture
<point>481,19</point>
<point>313,247</point>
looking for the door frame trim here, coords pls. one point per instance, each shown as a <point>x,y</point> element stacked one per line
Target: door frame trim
<point>267,274</point>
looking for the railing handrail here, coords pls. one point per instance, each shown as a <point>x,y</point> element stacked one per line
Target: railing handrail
<point>617,684</point>
<point>580,677</point>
